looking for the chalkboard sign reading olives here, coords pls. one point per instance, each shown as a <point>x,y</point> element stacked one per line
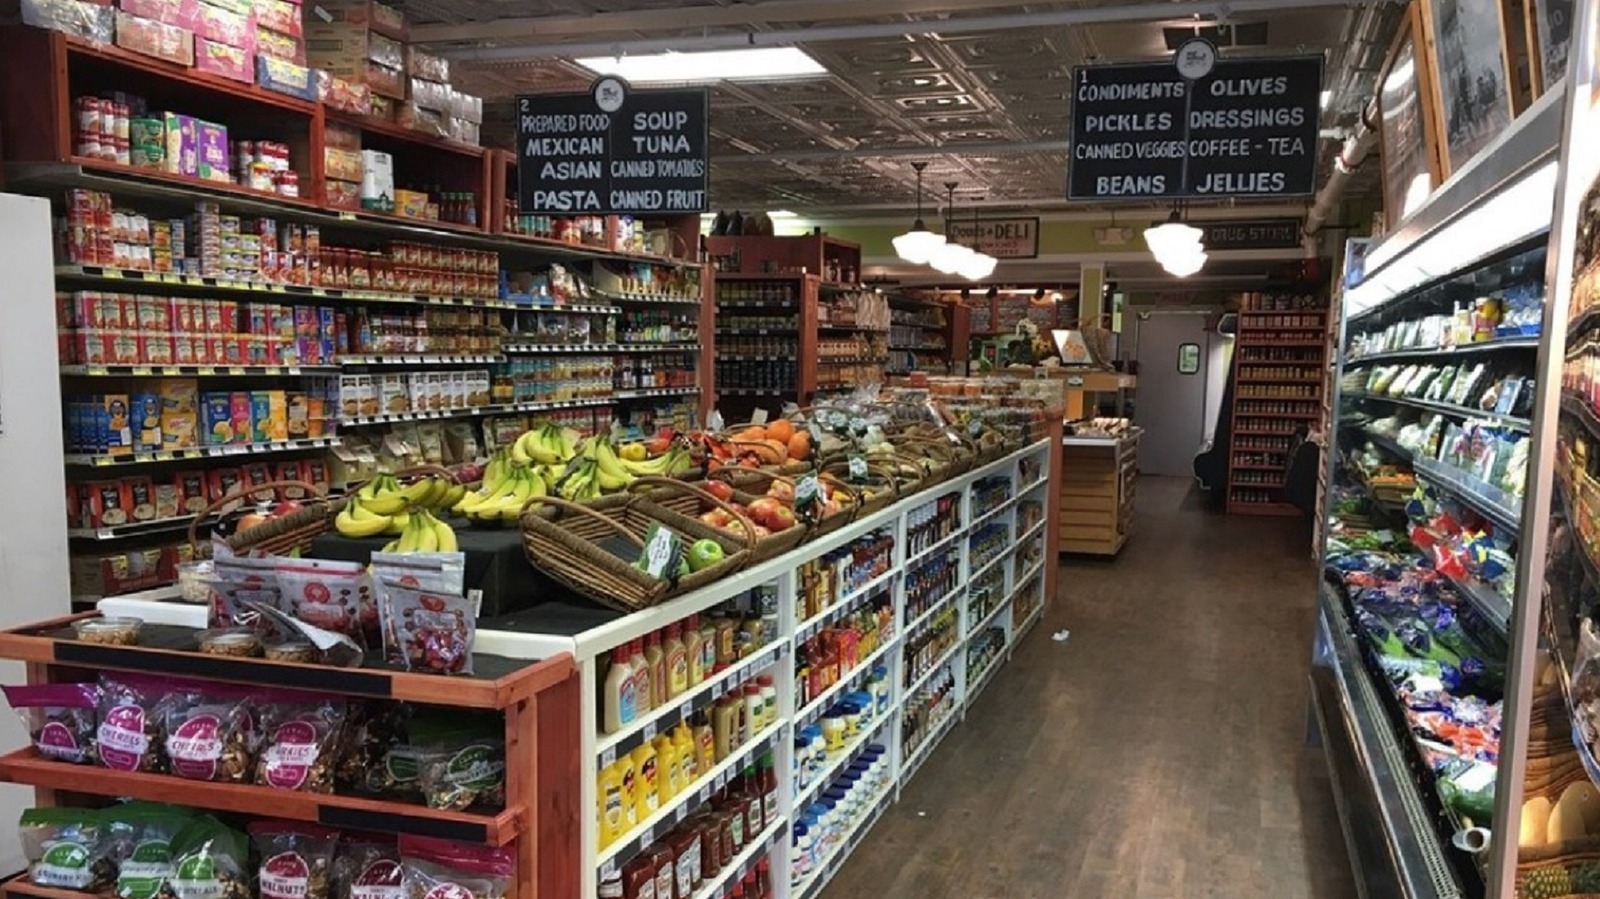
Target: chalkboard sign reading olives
<point>1247,128</point>
<point>613,151</point>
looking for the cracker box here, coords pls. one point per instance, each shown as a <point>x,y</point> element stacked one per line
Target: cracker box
<point>367,393</point>
<point>192,491</point>
<point>292,471</point>
<point>158,39</point>
<point>256,474</point>
<point>106,504</point>
<point>438,390</point>
<point>167,504</point>
<point>457,389</point>
<point>182,13</point>
<point>221,482</point>
<point>392,394</point>
<point>141,499</point>
<point>285,76</point>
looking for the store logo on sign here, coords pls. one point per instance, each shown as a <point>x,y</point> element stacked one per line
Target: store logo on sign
<point>1196,58</point>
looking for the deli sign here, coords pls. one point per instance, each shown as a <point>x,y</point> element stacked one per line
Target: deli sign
<point>1016,238</point>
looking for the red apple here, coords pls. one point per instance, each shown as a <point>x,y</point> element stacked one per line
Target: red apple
<point>717,518</point>
<point>720,489</point>
<point>782,490</point>
<point>761,532</point>
<point>782,518</point>
<point>284,508</point>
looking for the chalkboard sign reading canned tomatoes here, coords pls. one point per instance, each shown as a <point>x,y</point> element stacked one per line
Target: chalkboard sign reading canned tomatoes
<point>613,151</point>
<point>1247,128</point>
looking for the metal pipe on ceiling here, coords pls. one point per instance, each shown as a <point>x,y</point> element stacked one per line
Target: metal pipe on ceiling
<point>1137,12</point>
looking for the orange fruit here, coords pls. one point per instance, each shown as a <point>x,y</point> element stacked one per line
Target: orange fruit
<point>780,430</point>
<point>800,445</point>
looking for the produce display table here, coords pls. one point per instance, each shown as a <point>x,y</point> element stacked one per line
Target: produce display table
<point>1097,483</point>
<point>496,563</point>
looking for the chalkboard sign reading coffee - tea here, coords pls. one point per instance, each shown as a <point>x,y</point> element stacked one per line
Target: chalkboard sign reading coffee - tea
<point>613,151</point>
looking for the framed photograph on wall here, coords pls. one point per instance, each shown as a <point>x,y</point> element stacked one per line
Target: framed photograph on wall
<point>1549,34</point>
<point>1470,64</point>
<point>1406,137</point>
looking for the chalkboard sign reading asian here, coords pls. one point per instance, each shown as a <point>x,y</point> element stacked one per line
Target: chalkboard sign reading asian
<point>627,152</point>
<point>1249,128</point>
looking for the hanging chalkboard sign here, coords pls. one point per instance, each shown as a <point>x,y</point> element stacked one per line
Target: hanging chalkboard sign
<point>1247,128</point>
<point>613,151</point>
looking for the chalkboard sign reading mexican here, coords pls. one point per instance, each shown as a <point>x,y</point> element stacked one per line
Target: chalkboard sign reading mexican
<point>613,151</point>
<point>1246,129</point>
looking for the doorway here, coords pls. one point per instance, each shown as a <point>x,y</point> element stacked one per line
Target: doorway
<point>1182,367</point>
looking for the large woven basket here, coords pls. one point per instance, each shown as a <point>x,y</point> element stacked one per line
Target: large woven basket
<point>666,499</point>
<point>591,548</point>
<point>884,486</point>
<point>276,536</point>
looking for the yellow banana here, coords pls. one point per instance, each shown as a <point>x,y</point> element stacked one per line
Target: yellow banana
<point>397,524</point>
<point>445,536</point>
<point>391,546</point>
<point>385,499</point>
<point>427,540</point>
<point>452,495</point>
<point>349,524</point>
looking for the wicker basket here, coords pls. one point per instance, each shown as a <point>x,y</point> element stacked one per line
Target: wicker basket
<point>887,488</point>
<point>754,482</point>
<point>666,499</point>
<point>276,536</point>
<point>580,546</point>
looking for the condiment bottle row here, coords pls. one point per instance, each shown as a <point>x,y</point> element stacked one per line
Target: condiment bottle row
<point>838,574</point>
<point>932,581</point>
<point>821,828</point>
<point>927,525</point>
<point>816,744</point>
<point>927,710</point>
<point>834,653</point>
<point>924,650</point>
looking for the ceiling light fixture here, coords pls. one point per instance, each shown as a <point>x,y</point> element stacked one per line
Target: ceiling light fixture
<point>949,256</point>
<point>980,265</point>
<point>1176,245</point>
<point>751,64</point>
<point>917,246</point>
<point>1327,96</point>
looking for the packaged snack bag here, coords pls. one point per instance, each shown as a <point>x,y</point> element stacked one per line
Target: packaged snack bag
<point>60,718</point>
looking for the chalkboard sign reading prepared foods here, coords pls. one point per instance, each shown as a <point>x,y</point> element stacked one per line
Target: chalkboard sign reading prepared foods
<point>581,155</point>
<point>1249,128</point>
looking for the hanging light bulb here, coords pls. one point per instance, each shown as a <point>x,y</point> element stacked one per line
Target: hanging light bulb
<point>1172,237</point>
<point>980,266</point>
<point>1185,264</point>
<point>949,256</point>
<point>918,245</point>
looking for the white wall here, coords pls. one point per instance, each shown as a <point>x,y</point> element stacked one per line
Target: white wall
<point>33,526</point>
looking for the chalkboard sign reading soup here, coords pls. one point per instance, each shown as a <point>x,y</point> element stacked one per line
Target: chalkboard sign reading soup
<point>1248,128</point>
<point>613,151</point>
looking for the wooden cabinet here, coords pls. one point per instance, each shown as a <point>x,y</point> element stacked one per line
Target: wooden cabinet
<point>1097,484</point>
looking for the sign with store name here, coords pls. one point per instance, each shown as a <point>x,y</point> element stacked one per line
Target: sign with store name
<point>1001,238</point>
<point>613,151</point>
<point>1249,234</point>
<point>1248,128</point>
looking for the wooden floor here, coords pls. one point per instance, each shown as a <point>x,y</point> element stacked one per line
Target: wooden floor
<point>1161,752</point>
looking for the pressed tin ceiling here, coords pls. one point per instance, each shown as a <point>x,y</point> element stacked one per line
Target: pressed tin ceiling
<point>987,108</point>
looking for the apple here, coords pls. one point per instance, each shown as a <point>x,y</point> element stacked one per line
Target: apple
<point>703,554</point>
<point>717,518</point>
<point>720,489</point>
<point>761,532</point>
<point>284,508</point>
<point>248,521</point>
<point>782,518</point>
<point>781,490</point>
<point>763,511</point>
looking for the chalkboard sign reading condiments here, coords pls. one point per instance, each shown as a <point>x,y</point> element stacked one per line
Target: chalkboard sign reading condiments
<point>613,151</point>
<point>1248,128</point>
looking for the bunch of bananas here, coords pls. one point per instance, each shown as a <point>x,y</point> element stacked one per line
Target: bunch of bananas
<point>423,533</point>
<point>500,499</point>
<point>545,444</point>
<point>384,506</point>
<point>598,470</point>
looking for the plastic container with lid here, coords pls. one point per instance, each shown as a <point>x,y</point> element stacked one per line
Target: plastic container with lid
<point>109,631</point>
<point>240,642</point>
<point>833,730</point>
<point>755,716</point>
<point>804,845</point>
<point>769,698</point>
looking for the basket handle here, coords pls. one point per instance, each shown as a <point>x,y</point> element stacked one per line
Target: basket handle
<point>244,492</point>
<point>745,524</point>
<point>873,468</point>
<point>570,506</point>
<point>728,471</point>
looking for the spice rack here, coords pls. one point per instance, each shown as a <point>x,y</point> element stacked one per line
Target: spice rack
<point>538,699</point>
<point>1279,389</point>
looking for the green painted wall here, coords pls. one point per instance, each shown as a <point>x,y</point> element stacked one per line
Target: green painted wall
<point>1054,237</point>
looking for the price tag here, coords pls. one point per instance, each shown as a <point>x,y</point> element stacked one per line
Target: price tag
<point>974,427</point>
<point>705,794</point>
<point>650,731</point>
<point>609,869</point>
<point>685,710</point>
<point>172,370</point>
<point>142,370</point>
<point>721,780</point>
<point>276,288</point>
<point>170,278</point>
<point>647,836</point>
<point>206,370</point>
<point>235,370</point>
<point>807,490</point>
<point>98,371</point>
<point>858,468</point>
<point>111,273</point>
<point>608,756</point>
<point>662,551</point>
<point>681,813</point>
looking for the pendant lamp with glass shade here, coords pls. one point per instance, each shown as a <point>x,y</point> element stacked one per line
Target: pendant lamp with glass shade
<point>1172,237</point>
<point>981,265</point>
<point>918,245</point>
<point>950,255</point>
<point>1184,264</point>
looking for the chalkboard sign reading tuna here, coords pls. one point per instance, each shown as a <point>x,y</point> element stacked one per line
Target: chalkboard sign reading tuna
<point>1246,129</point>
<point>613,151</point>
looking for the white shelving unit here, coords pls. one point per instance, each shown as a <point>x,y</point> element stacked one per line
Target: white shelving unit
<point>589,648</point>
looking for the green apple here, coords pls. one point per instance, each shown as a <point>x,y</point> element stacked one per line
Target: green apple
<point>704,554</point>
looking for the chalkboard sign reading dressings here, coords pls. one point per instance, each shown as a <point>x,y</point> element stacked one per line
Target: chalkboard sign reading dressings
<point>613,151</point>
<point>1248,128</point>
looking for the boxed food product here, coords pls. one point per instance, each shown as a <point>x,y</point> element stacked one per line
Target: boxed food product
<point>384,107</point>
<point>191,490</point>
<point>384,81</point>
<point>110,574</point>
<point>392,394</point>
<point>463,131</point>
<point>341,164</point>
<point>428,121</point>
<point>466,106</point>
<point>366,13</point>
<point>157,39</point>
<point>338,92</point>
<point>377,183</point>
<point>91,21</point>
<point>429,94</point>
<point>281,16</point>
<point>385,51</point>
<point>425,65</point>
<point>237,7</point>
<point>144,413</point>
<point>222,482</point>
<point>278,45</point>
<point>106,504</point>
<point>225,26</point>
<point>182,13</point>
<point>141,499</point>
<point>338,47</point>
<point>213,151</point>
<point>116,434</point>
<point>411,204</point>
<point>285,77</point>
<point>342,194</point>
<point>224,59</point>
<point>239,408</point>
<point>183,144</point>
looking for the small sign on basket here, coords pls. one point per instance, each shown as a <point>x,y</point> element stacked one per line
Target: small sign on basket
<point>858,468</point>
<point>663,551</point>
<point>808,498</point>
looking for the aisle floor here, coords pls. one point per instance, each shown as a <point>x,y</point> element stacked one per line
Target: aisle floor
<point>1160,752</point>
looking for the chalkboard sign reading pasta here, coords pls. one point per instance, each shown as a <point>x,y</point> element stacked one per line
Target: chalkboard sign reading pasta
<point>613,151</point>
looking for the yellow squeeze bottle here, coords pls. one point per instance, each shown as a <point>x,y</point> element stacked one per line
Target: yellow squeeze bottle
<point>613,814</point>
<point>669,781</point>
<point>688,762</point>
<point>628,773</point>
<point>649,779</point>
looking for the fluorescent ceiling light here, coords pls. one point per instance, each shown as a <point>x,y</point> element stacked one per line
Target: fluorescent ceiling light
<point>1326,96</point>
<point>712,65</point>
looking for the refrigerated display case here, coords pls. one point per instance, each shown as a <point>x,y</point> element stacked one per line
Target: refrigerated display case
<point>1425,512</point>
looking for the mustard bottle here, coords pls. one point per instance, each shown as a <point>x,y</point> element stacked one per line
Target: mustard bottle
<point>688,759</point>
<point>628,773</point>
<point>669,774</point>
<point>648,799</point>
<point>613,814</point>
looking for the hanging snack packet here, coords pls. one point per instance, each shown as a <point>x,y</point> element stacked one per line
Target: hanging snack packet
<point>324,593</point>
<point>367,866</point>
<point>65,848</point>
<point>139,839</point>
<point>296,859</point>
<point>209,735</point>
<point>461,763</point>
<point>444,869</point>
<point>439,572</point>
<point>301,736</point>
<point>130,734</point>
<point>239,580</point>
<point>60,718</point>
<point>209,861</point>
<point>373,732</point>
<point>427,631</point>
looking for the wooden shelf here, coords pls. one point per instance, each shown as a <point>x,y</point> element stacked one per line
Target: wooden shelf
<point>1256,330</point>
<point>189,77</point>
<point>26,766</point>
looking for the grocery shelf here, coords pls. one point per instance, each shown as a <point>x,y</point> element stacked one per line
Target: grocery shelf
<point>1279,380</point>
<point>26,766</point>
<point>838,610</point>
<point>977,684</point>
<point>479,411</point>
<point>980,520</point>
<point>642,299</point>
<point>101,460</point>
<point>977,628</point>
<point>531,349</point>
<point>864,360</point>
<point>753,391</point>
<point>681,707</point>
<point>420,360</point>
<point>1384,441</point>
<point>978,574</point>
<point>822,701</point>
<point>809,886</point>
<point>936,547</point>
<point>1519,424</point>
<point>936,734</point>
<point>1487,500</point>
<point>233,371</point>
<point>838,760</point>
<point>928,613</point>
<point>831,326</point>
<point>652,392</point>
<point>139,528</point>
<point>1579,408</point>
<point>112,278</point>
<point>746,861</point>
<point>1027,624</point>
<point>938,664</point>
<point>694,795</point>
<point>1488,601</point>
<point>1504,343</point>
